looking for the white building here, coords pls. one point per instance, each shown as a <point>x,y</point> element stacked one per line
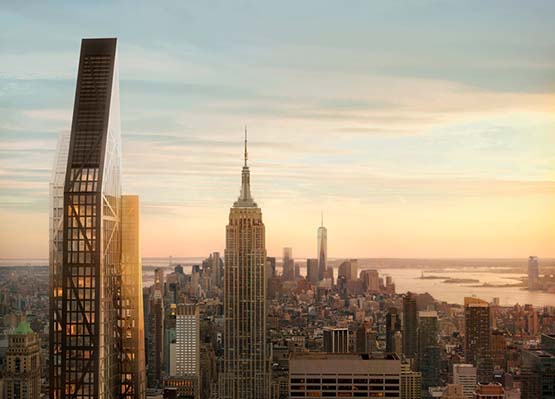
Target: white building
<point>465,375</point>
<point>187,336</point>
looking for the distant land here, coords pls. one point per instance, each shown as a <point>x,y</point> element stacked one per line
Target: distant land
<point>436,264</point>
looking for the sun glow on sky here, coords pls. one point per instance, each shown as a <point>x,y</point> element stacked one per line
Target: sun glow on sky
<point>421,130</point>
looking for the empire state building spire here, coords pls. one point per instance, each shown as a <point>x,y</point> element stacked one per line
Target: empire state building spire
<point>245,199</point>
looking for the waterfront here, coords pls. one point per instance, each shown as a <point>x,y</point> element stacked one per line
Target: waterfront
<point>405,278</point>
<point>409,280</point>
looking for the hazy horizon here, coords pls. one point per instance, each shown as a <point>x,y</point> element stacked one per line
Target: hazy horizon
<point>422,130</point>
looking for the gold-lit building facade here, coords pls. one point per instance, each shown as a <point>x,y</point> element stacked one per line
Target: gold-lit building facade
<point>89,303</point>
<point>133,361</point>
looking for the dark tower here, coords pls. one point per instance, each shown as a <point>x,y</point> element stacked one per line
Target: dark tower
<point>410,325</point>
<point>87,352</point>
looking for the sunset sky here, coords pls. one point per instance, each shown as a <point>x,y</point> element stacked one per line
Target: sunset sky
<point>420,128</point>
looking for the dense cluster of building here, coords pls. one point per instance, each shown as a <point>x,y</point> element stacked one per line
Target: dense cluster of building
<point>234,327</point>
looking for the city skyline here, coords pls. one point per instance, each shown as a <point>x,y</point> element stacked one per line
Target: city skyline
<point>416,138</point>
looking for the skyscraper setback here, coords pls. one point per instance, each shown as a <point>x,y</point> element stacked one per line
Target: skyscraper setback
<point>246,356</point>
<point>91,336</point>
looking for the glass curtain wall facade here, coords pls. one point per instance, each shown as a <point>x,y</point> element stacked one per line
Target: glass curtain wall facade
<point>133,362</point>
<point>86,343</point>
<point>56,254</point>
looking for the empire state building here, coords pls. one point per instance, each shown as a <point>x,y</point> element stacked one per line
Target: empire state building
<point>246,358</point>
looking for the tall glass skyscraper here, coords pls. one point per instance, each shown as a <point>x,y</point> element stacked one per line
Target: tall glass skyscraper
<point>246,356</point>
<point>88,336</point>
<point>322,249</point>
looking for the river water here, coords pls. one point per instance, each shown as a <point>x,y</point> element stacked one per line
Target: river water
<point>409,280</point>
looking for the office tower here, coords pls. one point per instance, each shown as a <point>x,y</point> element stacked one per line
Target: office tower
<point>365,339</point>
<point>370,280</point>
<point>246,355</point>
<point>329,274</point>
<point>297,268</point>
<point>453,391</point>
<point>411,383</point>
<point>392,325</point>
<point>429,352</point>
<point>271,274</point>
<point>170,337</point>
<point>216,266</point>
<point>322,250</point>
<point>489,391</point>
<point>337,375</point>
<point>532,322</point>
<point>398,342</point>
<point>336,340</point>
<point>133,357</point>
<point>498,349</point>
<point>208,369</point>
<point>187,351</point>
<point>465,375</point>
<point>288,267</point>
<point>533,272</point>
<point>538,371</point>
<point>349,270</point>
<point>312,270</point>
<point>155,333</point>
<point>389,285</point>
<point>270,267</point>
<point>87,340</point>
<point>478,337</point>
<point>22,371</point>
<point>410,326</point>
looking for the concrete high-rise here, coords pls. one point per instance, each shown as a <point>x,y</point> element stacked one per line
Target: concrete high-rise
<point>465,375</point>
<point>370,280</point>
<point>533,272</point>
<point>322,244</point>
<point>187,346</point>
<point>410,326</point>
<point>312,274</point>
<point>365,341</point>
<point>90,302</point>
<point>288,264</point>
<point>21,375</point>
<point>478,337</point>
<point>349,270</point>
<point>246,356</point>
<point>411,383</point>
<point>336,340</point>
<point>393,325</point>
<point>337,375</point>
